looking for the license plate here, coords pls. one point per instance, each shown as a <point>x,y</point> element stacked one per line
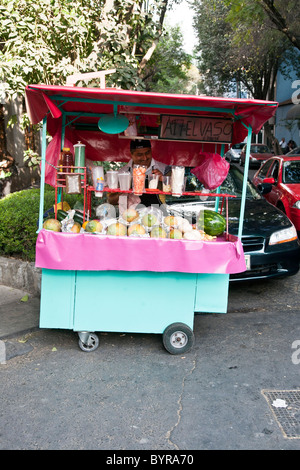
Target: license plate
<point>248,262</point>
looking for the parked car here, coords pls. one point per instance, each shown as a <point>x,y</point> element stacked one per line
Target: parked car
<point>233,154</point>
<point>295,151</point>
<point>269,239</point>
<point>259,153</point>
<point>279,180</point>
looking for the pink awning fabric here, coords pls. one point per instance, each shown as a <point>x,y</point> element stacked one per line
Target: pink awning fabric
<point>90,252</point>
<point>53,101</point>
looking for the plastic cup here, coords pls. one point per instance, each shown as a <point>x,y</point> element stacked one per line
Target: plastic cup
<point>125,181</point>
<point>177,180</point>
<point>153,181</point>
<point>139,175</point>
<point>167,184</point>
<point>112,179</point>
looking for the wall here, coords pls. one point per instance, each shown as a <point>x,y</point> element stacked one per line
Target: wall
<point>284,92</point>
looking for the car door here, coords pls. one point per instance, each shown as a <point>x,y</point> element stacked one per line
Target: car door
<point>274,195</point>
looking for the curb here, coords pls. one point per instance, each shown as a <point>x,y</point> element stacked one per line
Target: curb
<point>20,274</point>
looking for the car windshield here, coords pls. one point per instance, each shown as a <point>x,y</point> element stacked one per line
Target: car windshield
<point>232,185</point>
<point>291,172</point>
<point>238,146</point>
<point>259,149</point>
<point>295,151</point>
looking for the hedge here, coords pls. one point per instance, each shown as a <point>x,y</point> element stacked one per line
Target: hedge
<point>19,214</point>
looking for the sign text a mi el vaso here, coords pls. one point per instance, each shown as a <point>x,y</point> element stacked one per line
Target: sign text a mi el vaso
<point>201,129</point>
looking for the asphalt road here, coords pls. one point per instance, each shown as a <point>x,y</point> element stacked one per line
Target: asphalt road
<point>131,395</point>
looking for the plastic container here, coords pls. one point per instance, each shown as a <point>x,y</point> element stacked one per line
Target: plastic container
<point>98,180</point>
<point>139,175</point>
<point>79,150</point>
<point>125,180</point>
<point>177,180</point>
<point>68,160</point>
<point>112,179</point>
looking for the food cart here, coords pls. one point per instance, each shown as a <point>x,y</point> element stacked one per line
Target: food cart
<point>104,283</point>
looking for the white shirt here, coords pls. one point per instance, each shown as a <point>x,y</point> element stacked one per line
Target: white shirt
<point>162,167</point>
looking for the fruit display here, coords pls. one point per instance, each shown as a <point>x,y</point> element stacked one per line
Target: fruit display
<point>143,223</point>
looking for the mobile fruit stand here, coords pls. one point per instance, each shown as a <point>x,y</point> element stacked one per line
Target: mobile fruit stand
<point>135,284</point>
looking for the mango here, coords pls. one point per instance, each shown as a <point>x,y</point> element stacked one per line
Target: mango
<point>76,227</point>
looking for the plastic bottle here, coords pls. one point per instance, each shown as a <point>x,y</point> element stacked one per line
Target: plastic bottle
<point>68,160</point>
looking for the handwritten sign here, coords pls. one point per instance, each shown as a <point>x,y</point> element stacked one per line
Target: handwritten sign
<point>200,129</point>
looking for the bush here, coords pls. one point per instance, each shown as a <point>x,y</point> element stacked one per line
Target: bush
<point>19,214</point>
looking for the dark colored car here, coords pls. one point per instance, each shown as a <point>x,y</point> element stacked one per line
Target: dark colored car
<point>295,151</point>
<point>269,239</point>
<point>259,153</point>
<point>279,178</point>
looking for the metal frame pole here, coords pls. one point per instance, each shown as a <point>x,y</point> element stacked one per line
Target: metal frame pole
<point>42,183</point>
<point>244,191</point>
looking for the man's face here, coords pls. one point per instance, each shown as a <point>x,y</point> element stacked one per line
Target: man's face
<point>142,156</point>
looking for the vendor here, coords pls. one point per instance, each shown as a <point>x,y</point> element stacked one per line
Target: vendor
<point>141,154</point>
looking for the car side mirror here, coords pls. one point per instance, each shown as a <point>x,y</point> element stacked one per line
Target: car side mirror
<point>265,188</point>
<point>269,180</point>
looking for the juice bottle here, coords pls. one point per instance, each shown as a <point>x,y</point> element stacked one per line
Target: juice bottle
<point>68,160</point>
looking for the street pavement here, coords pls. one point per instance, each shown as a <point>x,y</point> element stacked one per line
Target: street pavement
<point>132,395</point>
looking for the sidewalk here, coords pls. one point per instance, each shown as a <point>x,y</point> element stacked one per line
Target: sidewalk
<point>17,316</point>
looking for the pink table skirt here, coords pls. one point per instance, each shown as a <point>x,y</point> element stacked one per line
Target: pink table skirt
<point>89,252</point>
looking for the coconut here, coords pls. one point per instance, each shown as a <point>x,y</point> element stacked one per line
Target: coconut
<point>171,221</point>
<point>149,219</point>
<point>158,232</point>
<point>192,235</point>
<point>175,233</point>
<point>129,215</point>
<point>136,229</point>
<point>117,229</point>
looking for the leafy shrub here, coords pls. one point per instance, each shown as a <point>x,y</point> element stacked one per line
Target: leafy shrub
<point>19,214</point>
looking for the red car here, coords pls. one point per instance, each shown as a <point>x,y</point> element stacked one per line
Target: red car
<point>259,153</point>
<point>279,181</point>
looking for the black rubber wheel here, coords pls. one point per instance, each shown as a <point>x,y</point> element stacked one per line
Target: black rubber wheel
<point>178,338</point>
<point>91,345</point>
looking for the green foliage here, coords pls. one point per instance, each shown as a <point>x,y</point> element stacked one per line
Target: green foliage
<point>19,214</point>
<point>236,45</point>
<point>44,41</point>
<point>167,70</point>
<point>47,40</point>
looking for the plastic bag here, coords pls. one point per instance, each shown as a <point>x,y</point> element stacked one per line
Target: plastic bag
<point>212,171</point>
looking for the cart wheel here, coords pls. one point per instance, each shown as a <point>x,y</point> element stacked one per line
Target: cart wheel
<point>178,338</point>
<point>91,344</point>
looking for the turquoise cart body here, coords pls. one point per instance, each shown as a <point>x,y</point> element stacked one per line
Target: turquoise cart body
<point>132,302</point>
<point>143,301</point>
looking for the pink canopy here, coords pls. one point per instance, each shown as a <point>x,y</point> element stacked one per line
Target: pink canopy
<point>82,107</point>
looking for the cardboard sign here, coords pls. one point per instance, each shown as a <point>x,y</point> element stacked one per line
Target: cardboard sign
<point>201,129</point>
